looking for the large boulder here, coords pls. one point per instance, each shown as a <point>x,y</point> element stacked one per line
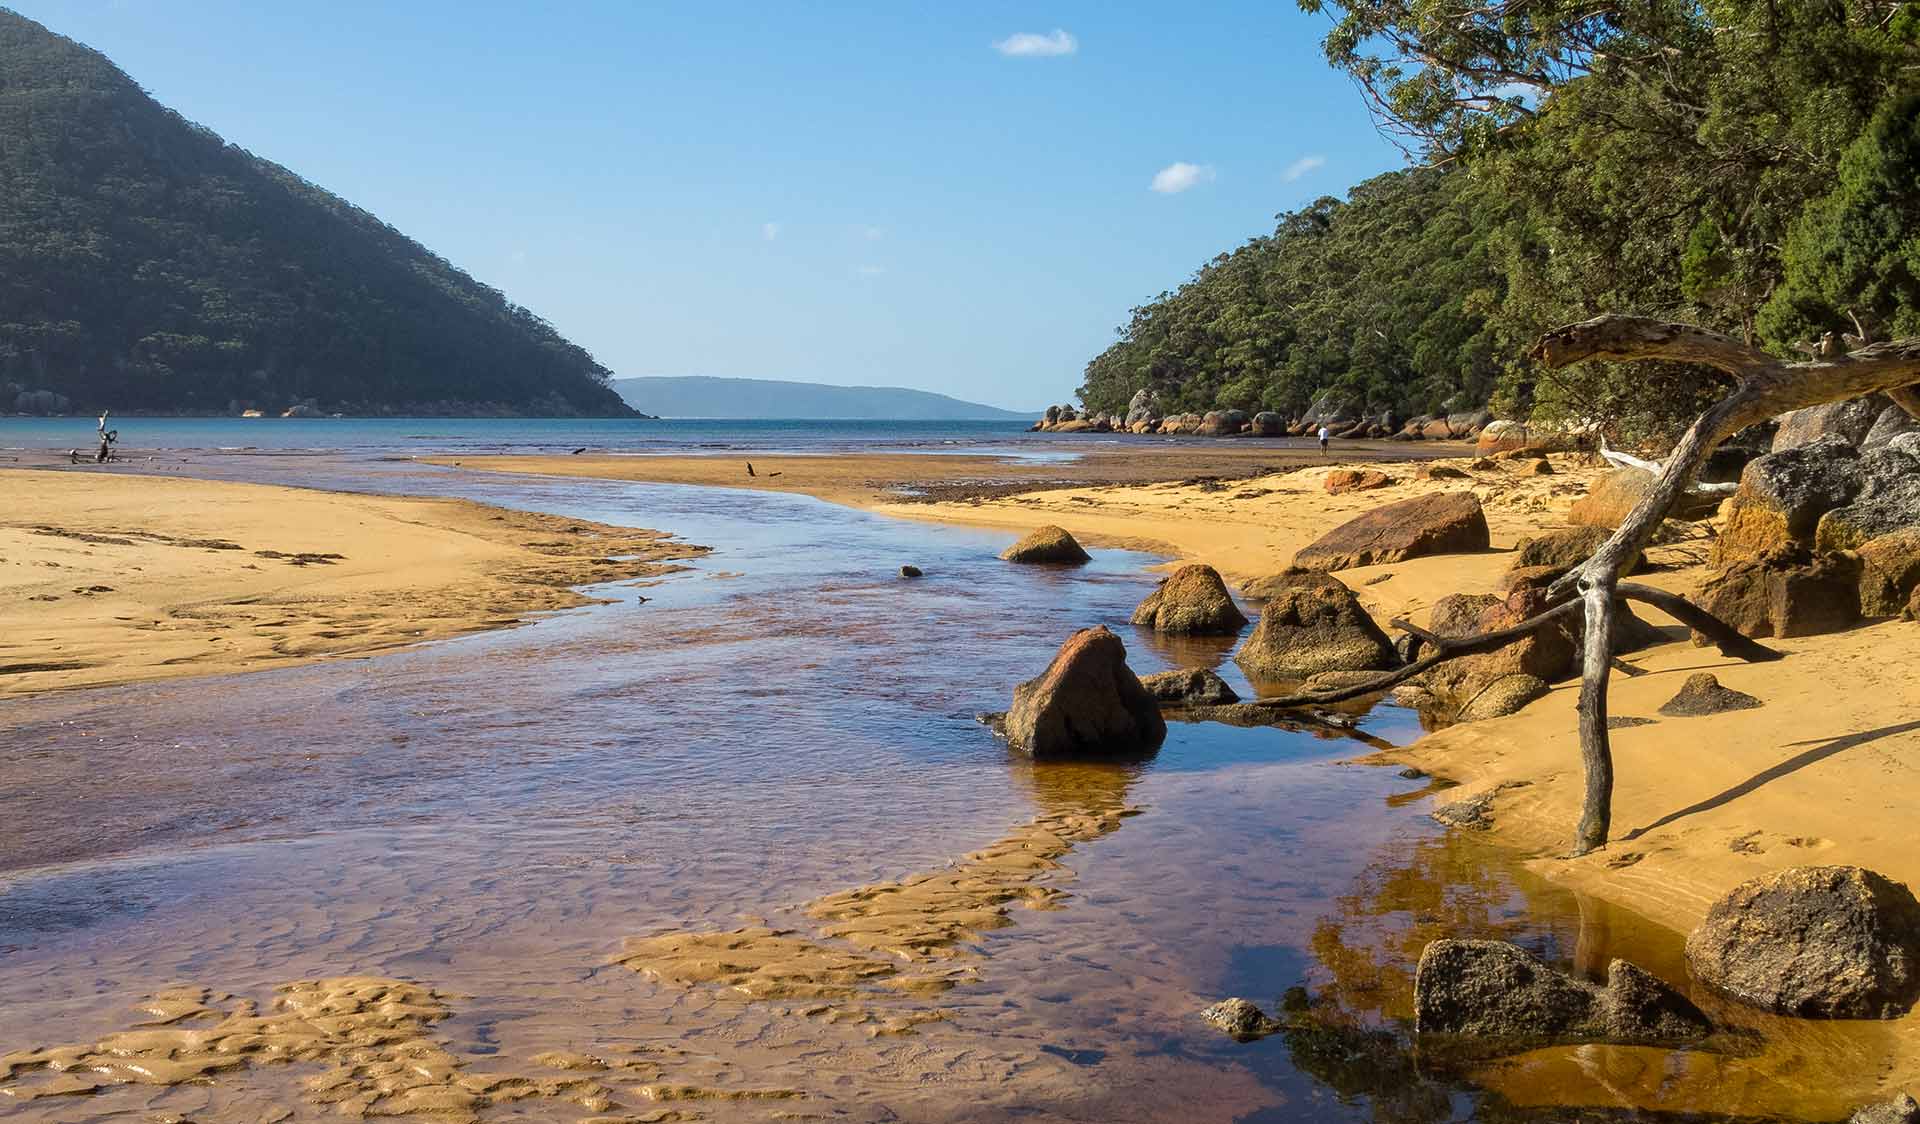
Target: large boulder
<point>1506,695</point>
<point>1497,991</point>
<point>1143,406</point>
<point>1443,523</point>
<point>1849,422</point>
<point>1470,423</point>
<point>1563,550</point>
<point>1542,656</point>
<point>1223,423</point>
<point>1889,573</point>
<point>1355,480</point>
<point>1835,942</point>
<point>1888,500</point>
<point>1189,686</point>
<point>1191,599</point>
<point>1500,437</point>
<point>1785,592</point>
<point>1088,703</point>
<point>1902,1109</point>
<point>1266,423</point>
<point>1611,498</point>
<point>1892,423</point>
<point>1047,544</point>
<point>1783,495</point>
<point>1311,623</point>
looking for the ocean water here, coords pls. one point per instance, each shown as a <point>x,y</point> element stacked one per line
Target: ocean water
<point>498,818</point>
<point>538,435</point>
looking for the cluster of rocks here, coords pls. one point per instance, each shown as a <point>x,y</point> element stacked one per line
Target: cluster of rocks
<point>1824,530</point>
<point>1345,420</point>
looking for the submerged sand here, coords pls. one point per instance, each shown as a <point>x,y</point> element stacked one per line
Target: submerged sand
<point>119,579</point>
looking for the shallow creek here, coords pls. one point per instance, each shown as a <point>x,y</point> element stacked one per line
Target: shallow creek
<point>732,846</point>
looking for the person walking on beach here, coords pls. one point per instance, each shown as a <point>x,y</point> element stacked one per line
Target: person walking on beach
<point>1324,435</point>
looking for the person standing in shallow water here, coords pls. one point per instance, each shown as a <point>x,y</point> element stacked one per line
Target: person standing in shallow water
<point>1324,435</point>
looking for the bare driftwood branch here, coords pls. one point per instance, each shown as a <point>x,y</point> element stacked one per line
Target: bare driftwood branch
<point>1653,468</point>
<point>1767,387</point>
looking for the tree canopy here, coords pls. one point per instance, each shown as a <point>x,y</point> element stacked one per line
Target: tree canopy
<point>145,264</point>
<point>1745,165</point>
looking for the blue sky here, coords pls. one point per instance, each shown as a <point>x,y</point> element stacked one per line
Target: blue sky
<point>901,194</point>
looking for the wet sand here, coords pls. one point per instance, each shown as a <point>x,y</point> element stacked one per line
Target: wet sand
<point>118,579</point>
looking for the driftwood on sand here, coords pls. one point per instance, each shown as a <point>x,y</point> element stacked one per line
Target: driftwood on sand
<point>1764,387</point>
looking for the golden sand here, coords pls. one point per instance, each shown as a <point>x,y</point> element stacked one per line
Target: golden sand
<point>118,579</point>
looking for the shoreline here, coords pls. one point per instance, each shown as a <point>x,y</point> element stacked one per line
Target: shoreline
<point>1701,804</point>
<point>114,579</point>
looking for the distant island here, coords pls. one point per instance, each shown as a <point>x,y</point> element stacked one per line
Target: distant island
<point>148,266</point>
<point>701,396</point>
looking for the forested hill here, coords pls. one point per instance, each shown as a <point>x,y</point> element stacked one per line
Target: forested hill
<point>1749,166</point>
<point>147,265</point>
<point>700,396</point>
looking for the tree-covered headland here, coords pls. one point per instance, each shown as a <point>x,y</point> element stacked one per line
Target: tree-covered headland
<point>1751,166</point>
<point>147,265</point>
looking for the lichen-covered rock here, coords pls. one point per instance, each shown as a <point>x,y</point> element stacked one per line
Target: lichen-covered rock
<point>1223,423</point>
<point>1849,422</point>
<point>1785,592</point>
<point>1837,942</point>
<point>1266,423</point>
<point>1192,599</point>
<point>1892,423</point>
<point>1497,991</point>
<point>1143,406</point>
<point>1047,544</point>
<point>1902,1109</point>
<point>1702,694</point>
<point>1355,480</point>
<point>1458,614</point>
<point>1189,686</point>
<point>1782,497</point>
<point>1444,523</point>
<point>1312,623</point>
<point>1889,573</point>
<point>1088,703</point>
<point>1888,500</point>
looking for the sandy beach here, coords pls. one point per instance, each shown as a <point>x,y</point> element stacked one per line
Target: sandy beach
<point>119,579</point>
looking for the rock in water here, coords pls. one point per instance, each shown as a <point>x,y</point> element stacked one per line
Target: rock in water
<point>1312,623</point>
<point>1192,599</point>
<point>1088,703</point>
<point>1191,686</point>
<point>1446,523</point>
<point>909,571</point>
<point>1834,942</point>
<point>1703,694</point>
<point>1498,991</point>
<point>1241,1019</point>
<point>1047,544</point>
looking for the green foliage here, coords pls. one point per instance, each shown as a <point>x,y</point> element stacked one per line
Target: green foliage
<point>1378,301</point>
<point>147,265</point>
<point>1855,253</point>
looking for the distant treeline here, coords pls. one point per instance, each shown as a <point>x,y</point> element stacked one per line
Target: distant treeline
<point>1750,166</point>
<point>145,264</point>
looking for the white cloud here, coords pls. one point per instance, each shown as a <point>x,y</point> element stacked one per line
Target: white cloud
<point>769,230</point>
<point>1180,176</point>
<point>1033,45</point>
<point>1302,166</point>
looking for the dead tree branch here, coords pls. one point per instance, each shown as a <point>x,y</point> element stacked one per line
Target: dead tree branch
<point>1767,387</point>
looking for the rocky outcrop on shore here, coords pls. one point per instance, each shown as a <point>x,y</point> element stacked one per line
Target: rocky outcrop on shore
<point>1443,523</point>
<point>1192,599</point>
<point>1312,623</point>
<point>1834,942</point>
<point>1145,414</point>
<point>1088,703</point>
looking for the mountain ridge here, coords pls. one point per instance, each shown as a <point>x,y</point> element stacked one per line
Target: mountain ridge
<point>713,396</point>
<point>146,264</point>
